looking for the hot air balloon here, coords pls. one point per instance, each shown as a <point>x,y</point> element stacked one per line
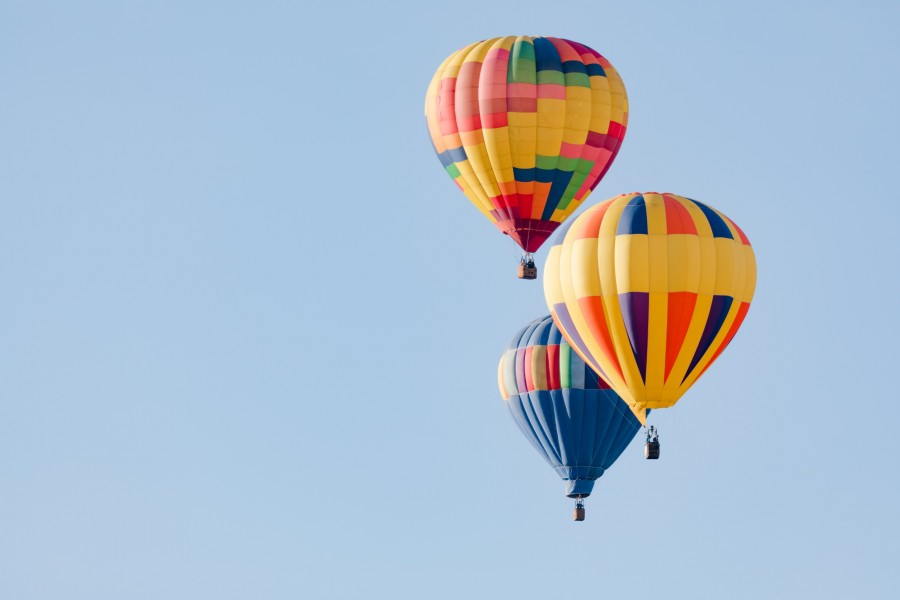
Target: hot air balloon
<point>526,127</point>
<point>569,415</point>
<point>649,289</point>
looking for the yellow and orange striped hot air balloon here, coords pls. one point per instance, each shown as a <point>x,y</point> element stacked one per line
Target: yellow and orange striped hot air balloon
<point>649,289</point>
<point>526,127</point>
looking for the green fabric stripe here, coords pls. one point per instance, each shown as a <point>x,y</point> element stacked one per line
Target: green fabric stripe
<point>584,166</point>
<point>545,162</point>
<point>565,366</point>
<point>522,67</point>
<point>578,80</point>
<point>453,170</point>
<point>567,164</point>
<point>571,190</point>
<point>551,77</point>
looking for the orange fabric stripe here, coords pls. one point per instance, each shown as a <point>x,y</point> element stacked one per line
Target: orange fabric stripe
<point>678,219</point>
<point>592,309</point>
<point>590,226</point>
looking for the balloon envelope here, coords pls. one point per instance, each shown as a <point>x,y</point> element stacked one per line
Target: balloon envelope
<point>526,127</point>
<point>649,289</point>
<point>569,415</point>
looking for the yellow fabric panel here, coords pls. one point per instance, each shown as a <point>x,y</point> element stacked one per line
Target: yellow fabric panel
<point>523,137</point>
<point>432,108</point>
<point>656,214</point>
<point>473,141</point>
<point>601,114</point>
<point>750,275</point>
<point>707,266</point>
<point>658,263</point>
<point>601,104</point>
<point>683,261</point>
<point>699,219</point>
<point>583,252</point>
<point>526,120</point>
<point>566,264</point>
<point>578,114</point>
<point>552,289</point>
<point>619,97</point>
<point>481,165</point>
<point>497,140</point>
<point>474,193</point>
<point>656,344</point>
<point>729,273</point>
<point>503,392</point>
<point>608,265</point>
<point>539,367</point>
<point>604,264</point>
<point>632,256</point>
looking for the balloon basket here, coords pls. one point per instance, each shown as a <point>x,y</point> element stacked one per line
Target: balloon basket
<point>526,272</point>
<point>651,451</point>
<point>578,514</point>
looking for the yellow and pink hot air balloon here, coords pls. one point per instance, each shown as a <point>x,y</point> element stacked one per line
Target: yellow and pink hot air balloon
<point>526,127</point>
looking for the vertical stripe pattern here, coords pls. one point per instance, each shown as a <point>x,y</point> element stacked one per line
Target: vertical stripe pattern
<point>649,289</point>
<point>570,416</point>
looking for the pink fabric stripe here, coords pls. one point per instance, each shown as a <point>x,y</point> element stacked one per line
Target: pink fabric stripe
<point>521,384</point>
<point>447,106</point>
<point>566,52</point>
<point>529,380</point>
<point>601,162</point>
<point>568,150</point>
<point>522,90</point>
<point>551,90</point>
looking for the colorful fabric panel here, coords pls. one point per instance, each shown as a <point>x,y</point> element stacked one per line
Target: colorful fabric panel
<point>569,415</point>
<point>526,127</point>
<point>650,289</point>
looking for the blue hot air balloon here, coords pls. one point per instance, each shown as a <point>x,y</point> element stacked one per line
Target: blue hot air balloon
<point>571,416</point>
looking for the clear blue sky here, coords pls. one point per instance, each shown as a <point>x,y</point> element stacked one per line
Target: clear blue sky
<point>249,328</point>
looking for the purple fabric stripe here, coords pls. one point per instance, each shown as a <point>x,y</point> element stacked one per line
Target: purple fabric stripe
<point>636,314</point>
<point>562,314</point>
<point>520,371</point>
<point>718,310</point>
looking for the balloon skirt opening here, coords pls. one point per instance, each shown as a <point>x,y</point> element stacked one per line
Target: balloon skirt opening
<point>579,488</point>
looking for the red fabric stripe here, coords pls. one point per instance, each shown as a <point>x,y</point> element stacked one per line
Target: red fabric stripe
<point>566,52</point>
<point>595,139</point>
<point>592,309</point>
<point>447,106</point>
<point>493,121</point>
<point>741,233</point>
<point>468,123</point>
<point>529,382</point>
<point>529,234</point>
<point>681,309</point>
<point>617,130</point>
<point>678,219</point>
<point>525,105</point>
<point>590,227</point>
<point>553,378</point>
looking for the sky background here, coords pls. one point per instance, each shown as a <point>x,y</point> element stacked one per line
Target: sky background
<point>249,328</point>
